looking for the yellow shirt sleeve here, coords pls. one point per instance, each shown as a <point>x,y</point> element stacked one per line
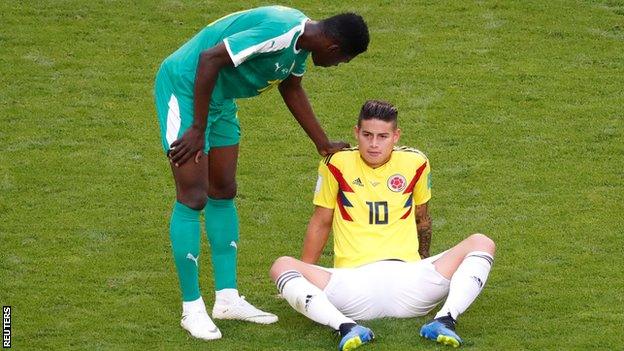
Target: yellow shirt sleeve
<point>422,190</point>
<point>326,189</point>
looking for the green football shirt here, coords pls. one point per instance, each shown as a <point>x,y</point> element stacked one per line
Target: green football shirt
<point>261,43</point>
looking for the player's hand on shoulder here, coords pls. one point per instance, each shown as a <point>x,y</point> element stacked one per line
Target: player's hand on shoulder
<point>190,145</point>
<point>331,147</point>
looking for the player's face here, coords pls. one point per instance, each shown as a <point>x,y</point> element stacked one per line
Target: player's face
<point>330,56</point>
<point>376,138</point>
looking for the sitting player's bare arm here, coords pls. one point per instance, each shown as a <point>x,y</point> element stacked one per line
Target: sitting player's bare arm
<point>423,225</point>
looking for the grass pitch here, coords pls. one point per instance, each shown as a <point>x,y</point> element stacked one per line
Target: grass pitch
<point>517,104</point>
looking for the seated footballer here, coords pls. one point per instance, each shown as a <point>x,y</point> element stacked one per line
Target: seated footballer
<point>374,199</point>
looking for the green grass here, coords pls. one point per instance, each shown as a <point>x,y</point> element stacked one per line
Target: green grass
<point>517,104</point>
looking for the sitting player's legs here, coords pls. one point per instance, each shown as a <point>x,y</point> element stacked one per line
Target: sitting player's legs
<point>467,265</point>
<point>448,263</point>
<point>302,285</point>
<point>221,215</point>
<point>315,275</point>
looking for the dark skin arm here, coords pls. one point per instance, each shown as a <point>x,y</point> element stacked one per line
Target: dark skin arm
<point>191,144</point>
<point>297,101</point>
<point>317,234</point>
<point>423,225</point>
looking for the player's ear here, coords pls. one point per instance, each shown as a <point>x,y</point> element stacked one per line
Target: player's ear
<point>396,135</point>
<point>333,48</point>
<point>356,131</point>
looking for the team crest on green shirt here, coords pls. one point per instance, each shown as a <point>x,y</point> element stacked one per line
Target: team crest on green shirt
<point>282,71</point>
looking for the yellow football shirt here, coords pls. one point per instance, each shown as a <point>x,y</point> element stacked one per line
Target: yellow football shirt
<point>373,208</point>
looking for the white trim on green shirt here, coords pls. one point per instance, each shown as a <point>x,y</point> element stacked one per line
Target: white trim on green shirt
<point>271,45</point>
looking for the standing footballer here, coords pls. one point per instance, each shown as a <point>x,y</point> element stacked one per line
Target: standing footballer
<point>238,56</point>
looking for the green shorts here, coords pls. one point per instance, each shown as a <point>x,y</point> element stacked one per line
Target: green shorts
<point>175,116</point>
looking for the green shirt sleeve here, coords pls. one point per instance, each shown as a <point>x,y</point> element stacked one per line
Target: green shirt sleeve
<point>264,38</point>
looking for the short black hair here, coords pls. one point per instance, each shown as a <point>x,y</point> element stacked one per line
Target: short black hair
<point>378,109</point>
<point>350,30</point>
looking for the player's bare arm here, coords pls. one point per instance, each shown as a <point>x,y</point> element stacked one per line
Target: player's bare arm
<point>297,101</point>
<point>423,225</point>
<point>191,144</point>
<point>317,234</point>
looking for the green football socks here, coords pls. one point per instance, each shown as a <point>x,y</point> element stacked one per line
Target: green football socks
<point>222,231</point>
<point>184,234</point>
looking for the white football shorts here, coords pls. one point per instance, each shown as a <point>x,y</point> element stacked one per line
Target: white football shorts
<point>387,289</point>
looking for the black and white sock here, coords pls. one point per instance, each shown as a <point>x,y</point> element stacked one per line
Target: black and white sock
<point>309,300</point>
<point>466,283</point>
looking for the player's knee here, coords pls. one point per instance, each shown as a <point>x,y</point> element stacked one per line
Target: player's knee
<point>195,198</point>
<point>222,191</point>
<point>281,265</point>
<point>482,242</point>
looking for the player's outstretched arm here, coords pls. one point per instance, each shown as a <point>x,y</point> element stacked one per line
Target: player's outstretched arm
<point>191,144</point>
<point>317,234</point>
<point>297,101</point>
<point>423,225</point>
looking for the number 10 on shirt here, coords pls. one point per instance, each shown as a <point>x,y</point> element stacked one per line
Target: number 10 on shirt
<point>377,212</point>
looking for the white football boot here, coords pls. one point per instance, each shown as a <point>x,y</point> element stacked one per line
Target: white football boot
<point>200,326</point>
<point>242,310</point>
